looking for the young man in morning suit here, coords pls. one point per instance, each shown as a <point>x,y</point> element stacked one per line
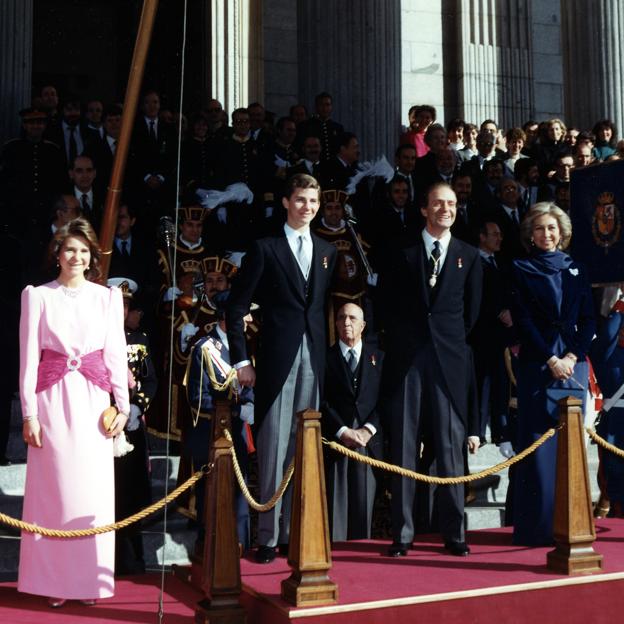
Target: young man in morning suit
<point>289,276</point>
<point>431,293</point>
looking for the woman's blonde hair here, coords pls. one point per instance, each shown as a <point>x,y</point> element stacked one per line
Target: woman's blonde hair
<point>542,209</point>
<point>79,228</point>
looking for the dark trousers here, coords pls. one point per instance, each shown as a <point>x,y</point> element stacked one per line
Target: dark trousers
<point>198,442</point>
<point>422,408</point>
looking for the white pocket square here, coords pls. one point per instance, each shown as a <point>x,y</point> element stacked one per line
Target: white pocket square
<point>574,272</point>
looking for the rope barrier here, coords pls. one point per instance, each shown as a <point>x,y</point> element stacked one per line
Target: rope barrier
<point>245,490</point>
<point>605,445</point>
<point>107,528</point>
<point>404,472</point>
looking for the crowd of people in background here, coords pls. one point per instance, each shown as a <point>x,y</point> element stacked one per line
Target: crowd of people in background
<point>59,167</point>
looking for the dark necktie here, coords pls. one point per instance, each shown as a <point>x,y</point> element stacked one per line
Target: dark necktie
<point>514,216</point>
<point>492,261</point>
<point>152,131</point>
<point>434,259</point>
<point>352,361</point>
<point>84,200</point>
<point>463,214</point>
<point>73,148</point>
<point>124,249</point>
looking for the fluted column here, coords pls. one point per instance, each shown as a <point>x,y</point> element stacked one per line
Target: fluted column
<point>16,23</point>
<point>495,60</point>
<point>592,32</point>
<point>351,48</point>
<point>236,46</point>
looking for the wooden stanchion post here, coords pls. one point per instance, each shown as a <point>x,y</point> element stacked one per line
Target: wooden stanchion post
<point>309,553</point>
<point>221,577</point>
<point>574,530</point>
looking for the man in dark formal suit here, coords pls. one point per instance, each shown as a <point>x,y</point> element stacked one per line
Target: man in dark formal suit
<point>310,163</point>
<point>322,126</point>
<point>336,172</point>
<point>491,334</point>
<point>93,118</point>
<point>133,257</point>
<point>526,174</point>
<point>431,293</point>
<point>352,381</point>
<point>288,275</point>
<point>468,213</point>
<point>103,151</point>
<point>150,164</point>
<point>69,134</point>
<point>397,222</point>
<point>508,215</point>
<point>82,173</point>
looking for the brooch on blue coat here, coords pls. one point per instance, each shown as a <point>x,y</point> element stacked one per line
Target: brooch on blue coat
<point>325,262</point>
<point>460,264</point>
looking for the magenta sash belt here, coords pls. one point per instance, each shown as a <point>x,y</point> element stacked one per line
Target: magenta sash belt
<point>53,366</point>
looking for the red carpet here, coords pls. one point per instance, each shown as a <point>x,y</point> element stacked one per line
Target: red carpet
<point>498,583</point>
<point>135,600</point>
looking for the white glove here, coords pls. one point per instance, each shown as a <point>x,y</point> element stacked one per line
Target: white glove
<point>506,450</point>
<point>186,333</point>
<point>372,279</point>
<point>172,293</point>
<point>134,420</point>
<point>247,413</point>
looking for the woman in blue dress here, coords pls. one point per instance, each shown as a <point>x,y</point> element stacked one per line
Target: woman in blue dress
<point>553,312</point>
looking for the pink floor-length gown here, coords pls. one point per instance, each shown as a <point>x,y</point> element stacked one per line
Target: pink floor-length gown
<point>69,480</point>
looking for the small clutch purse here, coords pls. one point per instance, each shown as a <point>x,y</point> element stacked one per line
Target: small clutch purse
<point>108,417</point>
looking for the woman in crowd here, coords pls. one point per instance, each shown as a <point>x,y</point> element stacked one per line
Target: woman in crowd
<point>515,144</point>
<point>553,313</point>
<point>72,358</point>
<point>606,139</point>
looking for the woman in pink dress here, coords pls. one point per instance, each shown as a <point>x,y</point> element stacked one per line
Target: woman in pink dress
<point>72,358</point>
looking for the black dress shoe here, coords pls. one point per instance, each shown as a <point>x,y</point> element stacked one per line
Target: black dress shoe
<point>282,549</point>
<point>398,549</point>
<point>265,554</point>
<point>457,549</point>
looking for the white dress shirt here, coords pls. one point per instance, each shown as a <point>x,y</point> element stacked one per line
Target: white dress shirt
<point>444,243</point>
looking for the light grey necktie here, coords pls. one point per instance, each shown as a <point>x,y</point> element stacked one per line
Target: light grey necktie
<point>302,256</point>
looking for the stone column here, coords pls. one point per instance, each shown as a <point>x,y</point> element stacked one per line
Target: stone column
<point>351,48</point>
<point>495,61</point>
<point>591,31</point>
<point>236,45</point>
<point>15,63</point>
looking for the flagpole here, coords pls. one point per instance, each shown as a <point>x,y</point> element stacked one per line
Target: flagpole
<point>135,79</point>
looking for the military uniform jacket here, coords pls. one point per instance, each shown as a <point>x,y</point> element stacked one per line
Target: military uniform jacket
<point>349,279</point>
<point>142,369</point>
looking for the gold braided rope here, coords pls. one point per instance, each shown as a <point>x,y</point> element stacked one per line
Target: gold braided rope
<point>245,490</point>
<point>107,528</point>
<point>404,472</point>
<point>605,445</point>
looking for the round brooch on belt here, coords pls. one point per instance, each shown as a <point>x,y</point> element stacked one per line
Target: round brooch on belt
<point>74,362</point>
